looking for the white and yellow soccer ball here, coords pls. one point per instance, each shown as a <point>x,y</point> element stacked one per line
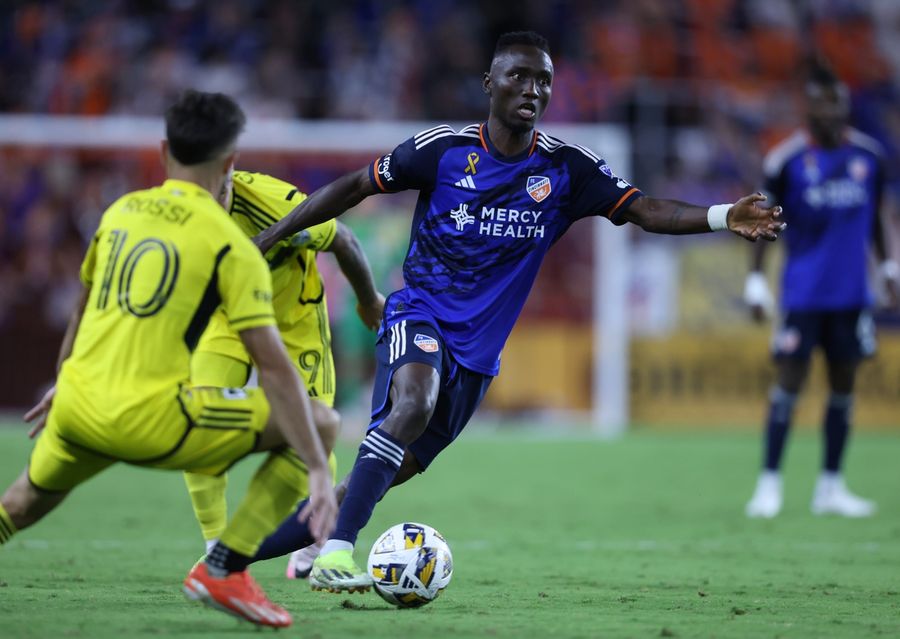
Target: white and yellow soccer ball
<point>410,564</point>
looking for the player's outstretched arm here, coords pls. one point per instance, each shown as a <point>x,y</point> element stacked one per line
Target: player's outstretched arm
<point>40,410</point>
<point>322,205</point>
<point>888,269</point>
<point>292,413</point>
<point>355,267</point>
<point>745,217</point>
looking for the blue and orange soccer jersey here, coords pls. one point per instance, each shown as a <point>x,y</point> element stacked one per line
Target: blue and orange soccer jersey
<point>482,225</point>
<point>830,199</point>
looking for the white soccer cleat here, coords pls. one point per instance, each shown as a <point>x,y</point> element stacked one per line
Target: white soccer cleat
<point>767,498</point>
<point>832,497</point>
<point>301,561</point>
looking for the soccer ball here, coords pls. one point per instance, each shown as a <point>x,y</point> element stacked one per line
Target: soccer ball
<point>410,564</point>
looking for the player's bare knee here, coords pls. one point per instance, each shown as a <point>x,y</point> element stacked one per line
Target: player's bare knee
<point>416,401</point>
<point>409,416</point>
<point>792,375</point>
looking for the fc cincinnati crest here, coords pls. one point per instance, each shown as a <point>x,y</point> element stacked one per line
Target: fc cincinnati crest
<point>538,187</point>
<point>426,343</point>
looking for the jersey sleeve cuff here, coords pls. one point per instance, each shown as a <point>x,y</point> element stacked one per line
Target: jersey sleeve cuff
<point>374,178</point>
<point>616,214</point>
<point>332,233</point>
<point>252,321</point>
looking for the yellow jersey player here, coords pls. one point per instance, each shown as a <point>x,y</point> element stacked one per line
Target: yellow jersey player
<point>160,263</point>
<point>255,201</point>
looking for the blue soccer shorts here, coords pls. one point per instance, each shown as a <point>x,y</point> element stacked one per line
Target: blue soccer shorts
<point>461,390</point>
<point>844,335</point>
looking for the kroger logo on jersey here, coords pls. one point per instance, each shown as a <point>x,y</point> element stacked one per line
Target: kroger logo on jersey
<point>384,168</point>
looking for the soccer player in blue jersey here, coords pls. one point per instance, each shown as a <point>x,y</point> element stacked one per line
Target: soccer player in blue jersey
<point>829,179</point>
<point>493,198</point>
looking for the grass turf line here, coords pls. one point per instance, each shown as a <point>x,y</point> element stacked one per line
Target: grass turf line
<point>639,537</point>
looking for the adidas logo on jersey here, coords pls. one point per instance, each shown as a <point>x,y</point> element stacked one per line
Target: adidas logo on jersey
<point>466,183</point>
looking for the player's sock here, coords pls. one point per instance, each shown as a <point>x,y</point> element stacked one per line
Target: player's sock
<point>781,409</point>
<point>222,560</point>
<point>377,463</point>
<point>7,527</point>
<point>837,427</point>
<point>335,544</point>
<point>303,484</point>
<point>270,497</point>
<point>208,499</point>
<point>292,534</point>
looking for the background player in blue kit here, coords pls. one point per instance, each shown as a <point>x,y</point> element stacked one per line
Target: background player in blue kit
<point>493,198</point>
<point>829,180</point>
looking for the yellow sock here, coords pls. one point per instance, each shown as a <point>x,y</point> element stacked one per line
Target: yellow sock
<point>304,483</point>
<point>208,499</point>
<point>272,496</point>
<point>7,527</point>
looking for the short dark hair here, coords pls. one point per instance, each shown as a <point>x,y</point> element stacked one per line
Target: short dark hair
<point>200,125</point>
<point>528,38</point>
<point>819,73</point>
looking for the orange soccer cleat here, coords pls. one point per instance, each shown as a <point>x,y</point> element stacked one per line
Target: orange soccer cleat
<point>238,594</point>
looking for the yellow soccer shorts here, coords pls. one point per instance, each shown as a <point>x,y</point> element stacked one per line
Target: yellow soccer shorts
<point>308,344</point>
<point>197,429</point>
<point>221,371</point>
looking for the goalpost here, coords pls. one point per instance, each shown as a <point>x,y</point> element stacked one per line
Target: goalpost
<point>610,391</point>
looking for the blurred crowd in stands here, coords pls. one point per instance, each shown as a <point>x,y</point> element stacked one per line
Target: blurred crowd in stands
<point>704,86</point>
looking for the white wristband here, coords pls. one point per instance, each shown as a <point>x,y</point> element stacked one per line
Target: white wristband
<point>717,216</point>
<point>890,270</point>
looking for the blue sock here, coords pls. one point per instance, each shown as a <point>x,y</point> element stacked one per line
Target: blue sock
<point>837,427</point>
<point>376,466</point>
<point>377,463</point>
<point>781,409</point>
<point>291,535</point>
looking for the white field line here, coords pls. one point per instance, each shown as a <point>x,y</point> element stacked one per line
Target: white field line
<point>479,545</point>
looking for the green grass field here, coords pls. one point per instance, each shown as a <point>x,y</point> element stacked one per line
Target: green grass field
<point>641,537</point>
